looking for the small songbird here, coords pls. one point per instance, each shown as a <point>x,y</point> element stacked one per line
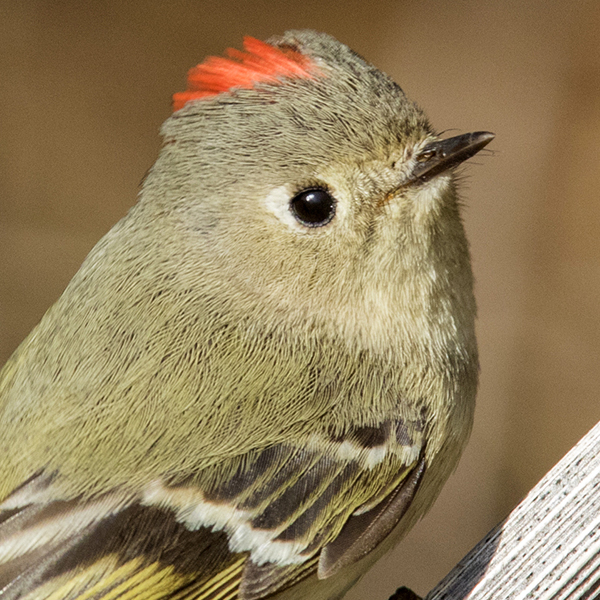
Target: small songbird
<point>261,377</point>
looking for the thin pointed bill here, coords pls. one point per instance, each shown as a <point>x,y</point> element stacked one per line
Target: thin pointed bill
<point>439,156</point>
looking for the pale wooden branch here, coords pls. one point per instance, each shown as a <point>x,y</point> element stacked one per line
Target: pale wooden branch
<point>548,547</point>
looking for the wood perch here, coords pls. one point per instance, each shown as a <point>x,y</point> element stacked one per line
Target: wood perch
<point>548,547</point>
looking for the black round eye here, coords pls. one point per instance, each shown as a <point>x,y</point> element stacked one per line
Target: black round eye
<point>313,207</point>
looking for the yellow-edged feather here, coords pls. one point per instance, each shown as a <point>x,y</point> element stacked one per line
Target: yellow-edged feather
<point>104,580</point>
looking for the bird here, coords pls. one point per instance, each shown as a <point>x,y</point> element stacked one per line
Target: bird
<point>261,377</point>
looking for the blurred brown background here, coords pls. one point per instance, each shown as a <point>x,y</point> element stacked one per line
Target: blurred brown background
<point>85,86</point>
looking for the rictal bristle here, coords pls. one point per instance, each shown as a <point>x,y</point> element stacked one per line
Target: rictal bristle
<point>260,62</point>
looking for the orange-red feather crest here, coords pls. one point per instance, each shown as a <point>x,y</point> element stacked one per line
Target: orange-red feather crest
<point>260,62</point>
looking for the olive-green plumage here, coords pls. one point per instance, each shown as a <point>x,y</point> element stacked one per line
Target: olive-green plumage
<point>223,382</point>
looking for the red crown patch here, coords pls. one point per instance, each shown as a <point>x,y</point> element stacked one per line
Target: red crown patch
<point>260,62</point>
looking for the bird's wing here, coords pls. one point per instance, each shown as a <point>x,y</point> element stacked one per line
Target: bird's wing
<point>245,528</point>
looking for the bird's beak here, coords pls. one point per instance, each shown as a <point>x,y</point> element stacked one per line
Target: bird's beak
<point>439,156</point>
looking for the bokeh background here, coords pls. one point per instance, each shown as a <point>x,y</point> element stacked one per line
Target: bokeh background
<point>84,87</point>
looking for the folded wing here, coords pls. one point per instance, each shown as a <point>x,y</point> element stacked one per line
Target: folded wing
<point>244,528</point>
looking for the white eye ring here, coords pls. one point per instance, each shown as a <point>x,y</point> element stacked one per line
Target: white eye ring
<point>278,202</point>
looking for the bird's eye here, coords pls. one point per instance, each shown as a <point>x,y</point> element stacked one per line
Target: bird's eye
<point>313,207</point>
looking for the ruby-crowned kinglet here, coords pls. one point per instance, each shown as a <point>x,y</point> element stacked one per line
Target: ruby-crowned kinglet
<point>261,377</point>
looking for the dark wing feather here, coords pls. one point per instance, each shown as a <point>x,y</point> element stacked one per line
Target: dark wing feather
<point>258,581</point>
<point>363,532</point>
<point>286,505</point>
<point>244,529</point>
<point>50,550</point>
